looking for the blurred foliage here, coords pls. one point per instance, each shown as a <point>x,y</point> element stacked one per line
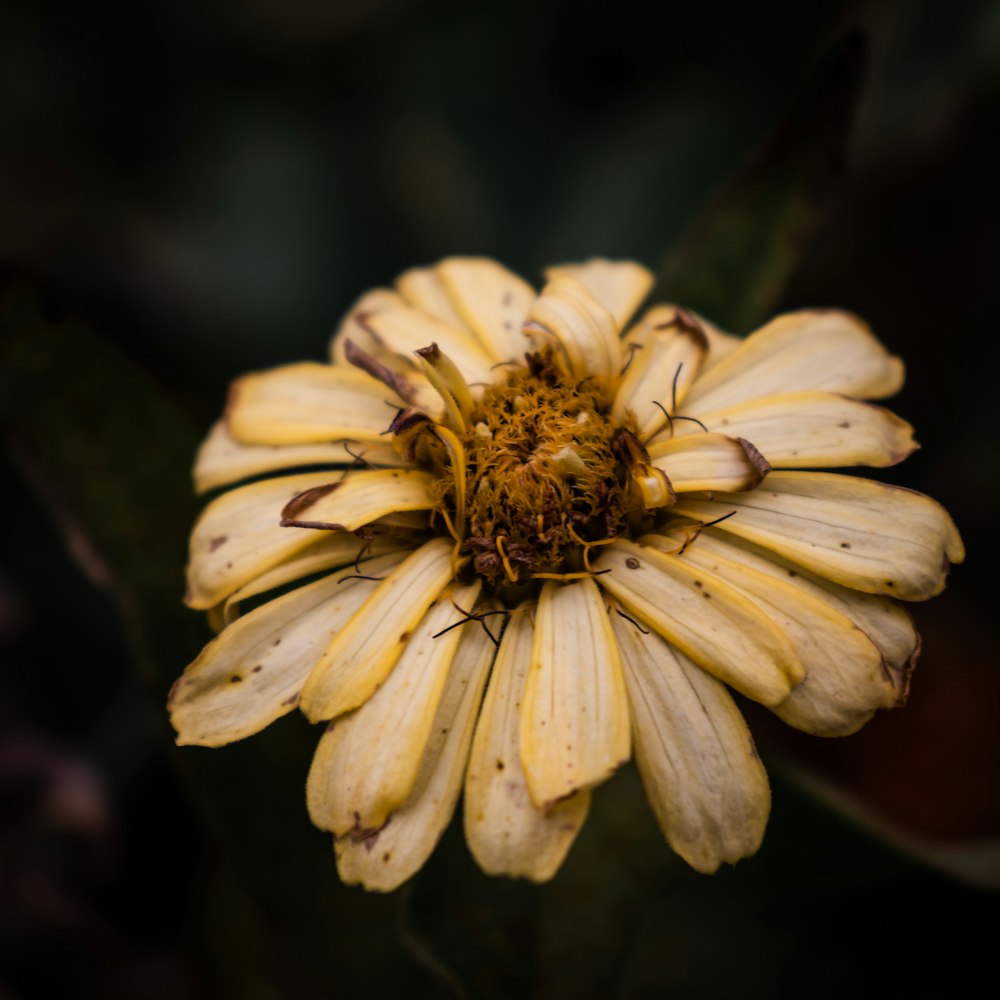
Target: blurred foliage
<point>196,191</point>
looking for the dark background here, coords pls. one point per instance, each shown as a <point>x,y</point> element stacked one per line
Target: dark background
<point>188,191</point>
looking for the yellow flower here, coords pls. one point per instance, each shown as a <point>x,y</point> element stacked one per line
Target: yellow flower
<point>546,544</point>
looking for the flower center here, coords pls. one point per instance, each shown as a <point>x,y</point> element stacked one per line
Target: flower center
<point>543,477</point>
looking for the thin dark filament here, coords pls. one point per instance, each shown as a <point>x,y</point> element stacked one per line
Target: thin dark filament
<point>701,527</point>
<point>629,618</point>
<point>673,388</point>
<point>360,576</point>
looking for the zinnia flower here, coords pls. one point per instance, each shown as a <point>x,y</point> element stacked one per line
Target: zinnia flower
<point>536,544</point>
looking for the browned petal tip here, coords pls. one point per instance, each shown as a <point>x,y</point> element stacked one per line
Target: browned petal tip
<point>378,371</point>
<point>688,324</point>
<point>431,353</point>
<point>291,514</point>
<point>760,464</point>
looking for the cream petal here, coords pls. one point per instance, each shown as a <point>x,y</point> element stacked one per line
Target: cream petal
<point>366,649</point>
<point>253,672</point>
<point>665,315</point>
<point>424,288</point>
<point>367,762</point>
<point>352,326</point>
<point>809,350</point>
<point>506,833</point>
<point>660,371</point>
<point>574,721</point>
<point>703,617</point>
<point>695,755</point>
<point>567,316</point>
<point>383,861</point>
<point>619,285</point>
<point>710,462</point>
<point>885,622</point>
<point>239,535</point>
<point>491,300</point>
<point>223,460</point>
<point>811,430</point>
<point>405,330</point>
<point>308,403</point>
<point>846,681</point>
<point>866,535</point>
<point>358,498</point>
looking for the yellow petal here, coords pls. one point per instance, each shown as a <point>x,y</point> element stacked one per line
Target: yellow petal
<point>660,372</point>
<point>574,721</point>
<point>253,672</point>
<point>619,285</point>
<point>846,681</point>
<point>866,535</point>
<point>424,288</point>
<point>352,326</point>
<point>809,350</point>
<point>664,315</point>
<point>223,460</point>
<point>367,762</point>
<point>385,860</point>
<point>404,330</point>
<point>710,462</point>
<point>366,649</point>
<point>705,618</point>
<point>358,498</point>
<point>307,403</point>
<point>239,536</point>
<point>506,833</point>
<point>491,300</point>
<point>694,752</point>
<point>811,430</point>
<point>885,622</point>
<point>568,317</point>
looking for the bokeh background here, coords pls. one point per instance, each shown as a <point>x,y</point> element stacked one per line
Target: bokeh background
<point>188,191</point>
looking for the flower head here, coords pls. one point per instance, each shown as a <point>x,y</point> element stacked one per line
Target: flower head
<point>542,539</point>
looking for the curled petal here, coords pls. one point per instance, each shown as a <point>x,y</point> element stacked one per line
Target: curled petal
<point>618,285</point>
<point>710,462</point>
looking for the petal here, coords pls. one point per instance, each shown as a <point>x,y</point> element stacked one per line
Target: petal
<point>366,649</point>
<point>885,622</point>
<point>567,316</point>
<point>239,535</point>
<point>695,755</point>
<point>811,430</point>
<point>388,858</point>
<point>866,535</point>
<point>253,672</point>
<point>352,327</point>
<point>424,288</point>
<point>506,833</point>
<point>618,285</point>
<point>703,617</point>
<point>845,682</point>
<point>659,375</point>
<point>665,315</point>
<point>827,350</point>
<point>367,762</point>
<point>223,460</point>
<point>491,300</point>
<point>404,330</point>
<point>574,720</point>
<point>710,462</point>
<point>358,498</point>
<point>307,403</point>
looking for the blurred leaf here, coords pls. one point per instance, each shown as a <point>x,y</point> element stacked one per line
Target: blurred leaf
<point>736,259</point>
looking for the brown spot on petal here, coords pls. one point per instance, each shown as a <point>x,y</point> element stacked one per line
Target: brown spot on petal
<point>632,562</point>
<point>292,700</point>
<point>216,542</point>
<point>301,502</point>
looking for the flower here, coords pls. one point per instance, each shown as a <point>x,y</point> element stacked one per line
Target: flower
<point>537,545</point>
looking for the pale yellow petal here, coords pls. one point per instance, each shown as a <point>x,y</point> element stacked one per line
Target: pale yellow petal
<point>866,535</point>
<point>358,498</point>
<point>574,720</point>
<point>385,860</point>
<point>710,462</point>
<point>424,288</point>
<point>619,285</point>
<point>253,672</point>
<point>492,301</point>
<point>659,373</point>
<point>223,460</point>
<point>352,327</point>
<point>799,430</point>
<point>665,315</point>
<point>308,403</point>
<point>809,350</point>
<point>367,762</point>
<point>367,648</point>
<point>887,623</point>
<point>566,316</point>
<point>506,833</point>
<point>720,629</point>
<point>239,535</point>
<point>846,681</point>
<point>694,752</point>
